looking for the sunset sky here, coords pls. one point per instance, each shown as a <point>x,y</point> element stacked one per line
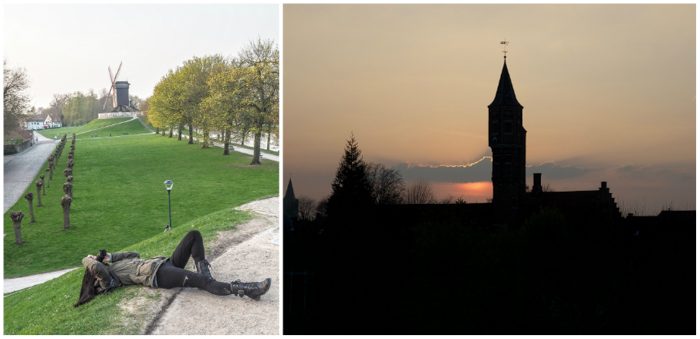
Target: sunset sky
<point>608,94</point>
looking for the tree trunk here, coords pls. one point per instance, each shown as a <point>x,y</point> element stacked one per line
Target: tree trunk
<point>68,189</point>
<point>256,149</point>
<point>205,138</point>
<point>171,132</point>
<point>50,170</point>
<point>47,182</point>
<point>43,190</point>
<point>30,196</point>
<point>38,193</point>
<point>191,141</point>
<point>17,225</point>
<point>157,131</point>
<point>227,140</point>
<point>269,133</point>
<point>65,202</point>
<point>179,133</point>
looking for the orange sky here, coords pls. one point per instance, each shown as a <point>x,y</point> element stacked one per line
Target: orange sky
<point>608,91</point>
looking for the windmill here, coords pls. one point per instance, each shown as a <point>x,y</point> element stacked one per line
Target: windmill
<point>119,91</point>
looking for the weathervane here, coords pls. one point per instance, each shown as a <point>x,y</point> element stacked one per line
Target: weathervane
<point>505,46</point>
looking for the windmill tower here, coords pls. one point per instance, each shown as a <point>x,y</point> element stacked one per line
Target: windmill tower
<point>119,92</point>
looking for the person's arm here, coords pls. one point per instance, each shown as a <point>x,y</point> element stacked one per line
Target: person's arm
<point>114,257</point>
<point>99,270</point>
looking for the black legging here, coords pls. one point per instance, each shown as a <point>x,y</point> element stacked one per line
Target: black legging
<point>172,273</point>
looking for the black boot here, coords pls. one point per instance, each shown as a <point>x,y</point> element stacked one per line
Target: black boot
<point>203,268</point>
<point>252,290</point>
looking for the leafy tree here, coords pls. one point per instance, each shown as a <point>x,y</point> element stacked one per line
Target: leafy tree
<point>352,191</point>
<point>15,98</point>
<point>260,62</point>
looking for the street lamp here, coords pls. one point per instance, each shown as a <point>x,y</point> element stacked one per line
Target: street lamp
<point>169,186</point>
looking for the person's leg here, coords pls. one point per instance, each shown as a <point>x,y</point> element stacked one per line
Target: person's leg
<point>169,276</point>
<point>191,244</point>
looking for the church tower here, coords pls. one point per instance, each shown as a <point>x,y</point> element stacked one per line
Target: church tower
<point>507,142</point>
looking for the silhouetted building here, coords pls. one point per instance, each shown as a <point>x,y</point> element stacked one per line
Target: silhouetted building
<point>507,142</point>
<point>290,207</point>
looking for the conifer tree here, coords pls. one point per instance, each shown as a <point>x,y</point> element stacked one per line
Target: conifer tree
<point>352,192</point>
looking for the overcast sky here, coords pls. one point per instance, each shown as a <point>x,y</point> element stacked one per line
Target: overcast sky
<point>67,48</point>
<point>608,94</point>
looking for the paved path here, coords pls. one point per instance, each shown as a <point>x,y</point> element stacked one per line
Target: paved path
<point>250,253</point>
<point>21,169</point>
<point>16,284</point>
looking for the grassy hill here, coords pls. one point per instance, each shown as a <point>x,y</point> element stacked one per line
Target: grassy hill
<point>97,123</point>
<point>48,308</point>
<point>120,199</point>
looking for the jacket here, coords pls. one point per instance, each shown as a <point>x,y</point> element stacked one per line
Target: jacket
<point>128,267</point>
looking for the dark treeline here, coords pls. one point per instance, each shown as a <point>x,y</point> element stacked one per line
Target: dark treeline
<point>368,268</point>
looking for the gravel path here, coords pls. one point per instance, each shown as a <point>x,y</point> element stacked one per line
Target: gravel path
<point>251,253</point>
<point>21,169</point>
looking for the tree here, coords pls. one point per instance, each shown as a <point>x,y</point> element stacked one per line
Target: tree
<point>260,67</point>
<point>419,192</point>
<point>15,99</point>
<point>197,73</point>
<point>307,208</point>
<point>322,207</point>
<point>387,184</point>
<point>352,191</point>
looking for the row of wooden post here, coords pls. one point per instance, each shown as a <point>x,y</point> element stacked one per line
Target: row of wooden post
<point>67,189</point>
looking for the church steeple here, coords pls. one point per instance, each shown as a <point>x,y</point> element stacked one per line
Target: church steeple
<point>507,142</point>
<point>505,94</point>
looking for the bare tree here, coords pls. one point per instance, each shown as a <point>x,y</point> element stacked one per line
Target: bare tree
<point>38,193</point>
<point>419,192</point>
<point>17,225</point>
<point>15,98</point>
<point>68,189</point>
<point>322,207</point>
<point>387,184</point>
<point>65,202</point>
<point>30,196</point>
<point>43,190</point>
<point>307,208</point>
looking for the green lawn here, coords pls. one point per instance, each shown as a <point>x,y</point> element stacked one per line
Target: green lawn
<point>48,308</point>
<point>120,199</point>
<point>131,127</point>
<point>97,123</point>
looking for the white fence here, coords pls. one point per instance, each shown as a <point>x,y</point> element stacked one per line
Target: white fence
<point>113,115</point>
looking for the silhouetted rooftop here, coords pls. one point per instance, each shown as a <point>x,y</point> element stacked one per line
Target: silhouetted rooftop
<point>505,94</point>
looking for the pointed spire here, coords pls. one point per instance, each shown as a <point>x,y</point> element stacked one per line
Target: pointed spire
<point>505,94</point>
<point>290,191</point>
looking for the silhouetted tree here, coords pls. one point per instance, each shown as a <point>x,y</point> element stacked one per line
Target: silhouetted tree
<point>30,196</point>
<point>307,208</point>
<point>387,184</point>
<point>419,192</point>
<point>17,225</point>
<point>352,192</point>
<point>322,207</point>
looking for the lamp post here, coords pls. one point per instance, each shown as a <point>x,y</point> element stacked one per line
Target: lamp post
<point>169,186</point>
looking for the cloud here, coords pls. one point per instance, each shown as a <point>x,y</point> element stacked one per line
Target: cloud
<point>477,171</point>
<point>551,170</point>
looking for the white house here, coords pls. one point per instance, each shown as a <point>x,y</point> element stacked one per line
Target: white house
<point>33,124</point>
<point>52,120</point>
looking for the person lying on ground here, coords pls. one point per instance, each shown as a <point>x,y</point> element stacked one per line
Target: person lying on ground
<point>128,268</point>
